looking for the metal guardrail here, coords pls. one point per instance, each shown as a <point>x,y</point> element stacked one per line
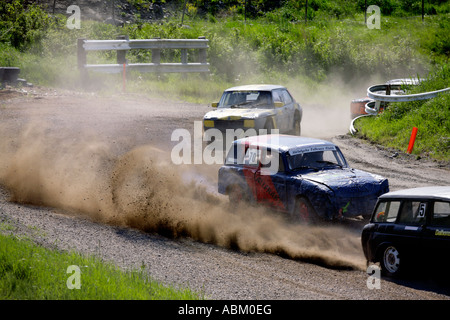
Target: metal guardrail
<point>373,92</point>
<point>123,44</point>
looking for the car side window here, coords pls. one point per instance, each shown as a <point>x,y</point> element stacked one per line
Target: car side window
<point>235,154</point>
<point>441,214</point>
<point>267,158</point>
<point>276,96</point>
<point>252,157</point>
<point>386,211</point>
<point>412,212</point>
<point>286,97</point>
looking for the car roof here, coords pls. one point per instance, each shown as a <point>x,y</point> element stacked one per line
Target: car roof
<point>256,87</point>
<point>435,192</point>
<point>285,143</point>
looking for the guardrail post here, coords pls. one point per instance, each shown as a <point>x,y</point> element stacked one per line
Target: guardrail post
<point>202,53</point>
<point>121,54</point>
<point>82,60</point>
<point>202,58</point>
<point>81,53</point>
<point>156,55</point>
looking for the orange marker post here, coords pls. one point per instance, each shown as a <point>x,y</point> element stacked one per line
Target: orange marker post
<point>412,140</point>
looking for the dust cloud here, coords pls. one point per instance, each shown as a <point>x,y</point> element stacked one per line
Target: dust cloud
<point>326,104</point>
<point>142,189</point>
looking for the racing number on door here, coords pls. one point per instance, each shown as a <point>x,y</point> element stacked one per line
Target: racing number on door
<point>422,210</point>
<point>252,157</point>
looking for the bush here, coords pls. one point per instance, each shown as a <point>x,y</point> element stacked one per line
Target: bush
<point>23,27</point>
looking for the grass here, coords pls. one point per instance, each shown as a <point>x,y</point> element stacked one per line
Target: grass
<point>31,272</point>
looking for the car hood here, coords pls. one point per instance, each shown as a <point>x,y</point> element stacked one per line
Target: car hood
<point>238,113</point>
<point>347,180</point>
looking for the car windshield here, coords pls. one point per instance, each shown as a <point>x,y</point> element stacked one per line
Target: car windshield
<point>318,160</point>
<point>246,99</point>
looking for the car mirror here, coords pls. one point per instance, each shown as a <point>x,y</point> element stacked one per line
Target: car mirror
<point>278,104</point>
<point>214,104</point>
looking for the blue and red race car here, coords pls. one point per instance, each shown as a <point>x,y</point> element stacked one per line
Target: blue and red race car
<point>307,178</point>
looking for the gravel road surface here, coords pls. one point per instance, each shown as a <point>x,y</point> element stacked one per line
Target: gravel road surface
<point>72,163</point>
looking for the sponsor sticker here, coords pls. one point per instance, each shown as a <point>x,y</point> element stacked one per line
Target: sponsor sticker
<point>299,150</point>
<point>442,233</point>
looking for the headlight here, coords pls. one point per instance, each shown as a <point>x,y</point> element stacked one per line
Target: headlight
<point>249,123</point>
<point>208,123</point>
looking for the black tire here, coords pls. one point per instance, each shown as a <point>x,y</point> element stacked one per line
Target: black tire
<point>390,261</point>
<point>304,213</point>
<point>297,130</point>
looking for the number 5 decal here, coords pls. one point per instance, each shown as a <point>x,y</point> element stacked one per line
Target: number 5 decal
<point>422,210</point>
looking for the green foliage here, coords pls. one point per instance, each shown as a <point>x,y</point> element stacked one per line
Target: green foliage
<point>9,56</point>
<point>30,272</point>
<point>438,39</point>
<point>294,10</point>
<point>254,7</point>
<point>22,27</point>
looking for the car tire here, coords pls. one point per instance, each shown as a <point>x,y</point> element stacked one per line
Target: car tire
<point>390,261</point>
<point>304,212</point>
<point>297,130</point>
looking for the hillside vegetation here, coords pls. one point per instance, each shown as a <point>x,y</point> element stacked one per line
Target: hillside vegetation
<point>267,41</point>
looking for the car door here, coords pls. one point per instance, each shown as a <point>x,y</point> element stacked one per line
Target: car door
<point>289,105</point>
<point>280,111</point>
<point>437,233</point>
<point>268,184</point>
<point>409,228</point>
<point>383,219</point>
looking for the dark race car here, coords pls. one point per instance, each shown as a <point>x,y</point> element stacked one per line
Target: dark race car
<point>410,229</point>
<point>307,178</point>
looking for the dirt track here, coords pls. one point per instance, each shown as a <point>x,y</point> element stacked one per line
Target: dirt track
<point>79,159</point>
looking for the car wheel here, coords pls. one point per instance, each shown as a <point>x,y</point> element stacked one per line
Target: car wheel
<point>297,127</point>
<point>390,261</point>
<point>304,212</point>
